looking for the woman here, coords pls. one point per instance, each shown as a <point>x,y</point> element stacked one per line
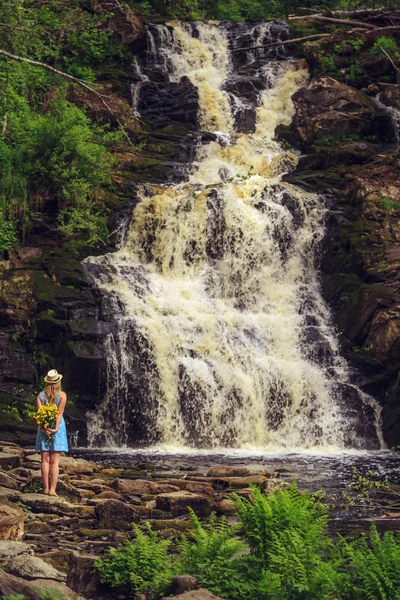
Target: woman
<point>52,394</point>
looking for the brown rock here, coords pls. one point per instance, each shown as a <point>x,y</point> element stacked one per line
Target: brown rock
<point>81,576</point>
<point>224,471</point>
<point>178,503</point>
<point>184,583</point>
<point>125,25</point>
<point>39,503</point>
<point>243,482</point>
<point>11,521</point>
<point>226,507</point>
<point>176,524</point>
<point>197,487</point>
<point>8,482</point>
<point>59,559</point>
<point>64,490</point>
<point>141,487</point>
<point>326,107</point>
<point>9,460</point>
<point>37,526</point>
<point>110,494</point>
<point>78,466</point>
<point>10,585</point>
<point>115,514</point>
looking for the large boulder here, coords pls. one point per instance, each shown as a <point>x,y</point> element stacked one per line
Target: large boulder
<point>124,24</point>
<point>33,567</point>
<point>178,503</point>
<point>39,503</point>
<point>115,514</point>
<point>10,550</point>
<point>325,107</point>
<point>11,521</point>
<point>141,487</point>
<point>13,586</point>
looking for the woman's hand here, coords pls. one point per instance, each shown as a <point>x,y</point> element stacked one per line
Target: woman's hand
<point>50,431</point>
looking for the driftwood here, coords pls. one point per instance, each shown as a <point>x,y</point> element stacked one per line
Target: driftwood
<point>334,20</point>
<point>80,82</point>
<point>292,41</point>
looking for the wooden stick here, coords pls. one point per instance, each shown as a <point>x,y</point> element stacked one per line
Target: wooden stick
<point>80,82</point>
<point>293,41</point>
<point>390,59</point>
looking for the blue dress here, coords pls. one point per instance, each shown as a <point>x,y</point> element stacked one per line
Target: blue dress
<point>60,442</point>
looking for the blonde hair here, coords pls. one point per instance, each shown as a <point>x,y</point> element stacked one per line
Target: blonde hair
<point>51,392</point>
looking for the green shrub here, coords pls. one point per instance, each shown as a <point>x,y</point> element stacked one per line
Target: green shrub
<point>385,43</point>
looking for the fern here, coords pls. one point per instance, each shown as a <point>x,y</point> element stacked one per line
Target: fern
<point>142,565</point>
<point>374,567</point>
<point>212,555</point>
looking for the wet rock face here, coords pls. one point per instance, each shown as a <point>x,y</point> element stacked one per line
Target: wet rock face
<point>125,25</point>
<point>326,107</point>
<point>391,96</point>
<point>166,103</point>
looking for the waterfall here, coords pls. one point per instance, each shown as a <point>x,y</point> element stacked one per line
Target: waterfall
<point>223,338</point>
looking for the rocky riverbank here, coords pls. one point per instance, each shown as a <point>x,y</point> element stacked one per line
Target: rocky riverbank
<point>52,542</point>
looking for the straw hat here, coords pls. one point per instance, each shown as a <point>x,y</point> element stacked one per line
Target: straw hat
<point>53,376</point>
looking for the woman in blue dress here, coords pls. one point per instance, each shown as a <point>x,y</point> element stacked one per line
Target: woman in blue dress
<point>50,454</point>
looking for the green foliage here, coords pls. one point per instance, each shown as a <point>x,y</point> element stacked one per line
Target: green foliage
<point>211,555</point>
<point>232,10</point>
<point>280,550</point>
<point>142,566</point>
<point>387,44</point>
<point>50,151</point>
<point>373,565</point>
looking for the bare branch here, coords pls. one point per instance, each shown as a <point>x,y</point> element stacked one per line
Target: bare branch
<point>80,82</point>
<point>390,59</point>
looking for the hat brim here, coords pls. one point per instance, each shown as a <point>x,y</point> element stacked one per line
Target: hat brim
<point>53,380</point>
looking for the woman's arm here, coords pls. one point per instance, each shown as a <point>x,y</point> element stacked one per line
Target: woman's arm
<point>61,406</point>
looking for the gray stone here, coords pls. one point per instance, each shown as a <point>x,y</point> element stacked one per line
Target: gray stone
<point>10,550</point>
<point>48,585</point>
<point>33,567</point>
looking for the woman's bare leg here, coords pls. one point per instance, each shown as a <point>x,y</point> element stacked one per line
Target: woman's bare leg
<point>45,465</point>
<point>54,470</point>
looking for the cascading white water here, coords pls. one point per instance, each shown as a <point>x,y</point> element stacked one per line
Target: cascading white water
<point>223,336</point>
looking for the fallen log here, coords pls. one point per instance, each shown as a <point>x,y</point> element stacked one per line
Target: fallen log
<point>292,41</point>
<point>334,20</point>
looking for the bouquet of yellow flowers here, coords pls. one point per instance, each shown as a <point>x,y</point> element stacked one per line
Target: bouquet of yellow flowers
<point>46,417</point>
